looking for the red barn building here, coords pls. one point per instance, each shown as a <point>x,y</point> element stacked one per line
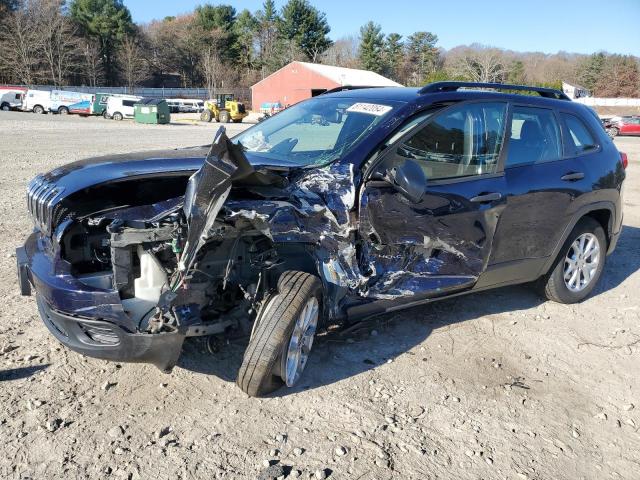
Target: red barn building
<point>300,80</point>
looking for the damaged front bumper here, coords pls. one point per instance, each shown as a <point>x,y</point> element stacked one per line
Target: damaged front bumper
<point>89,320</point>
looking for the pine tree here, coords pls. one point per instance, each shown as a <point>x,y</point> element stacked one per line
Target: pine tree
<point>306,28</point>
<point>371,51</point>
<point>109,22</point>
<point>421,56</point>
<point>219,21</point>
<point>393,55</point>
<point>591,70</point>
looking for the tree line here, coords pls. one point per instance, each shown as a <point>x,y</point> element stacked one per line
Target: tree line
<point>96,42</point>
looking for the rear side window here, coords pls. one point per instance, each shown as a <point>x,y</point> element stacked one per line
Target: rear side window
<point>461,141</point>
<point>580,139</point>
<point>535,137</point>
<point>128,103</point>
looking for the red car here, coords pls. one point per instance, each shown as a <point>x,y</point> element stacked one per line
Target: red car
<point>623,126</point>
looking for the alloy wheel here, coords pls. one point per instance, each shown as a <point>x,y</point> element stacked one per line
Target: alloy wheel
<point>581,262</point>
<point>297,352</point>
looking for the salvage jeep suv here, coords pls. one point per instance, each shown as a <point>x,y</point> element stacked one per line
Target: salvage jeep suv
<point>348,205</point>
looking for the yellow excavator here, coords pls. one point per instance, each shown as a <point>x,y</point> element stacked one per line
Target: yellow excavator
<point>224,108</point>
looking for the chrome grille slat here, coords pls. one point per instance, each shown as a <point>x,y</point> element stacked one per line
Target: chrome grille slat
<point>41,199</point>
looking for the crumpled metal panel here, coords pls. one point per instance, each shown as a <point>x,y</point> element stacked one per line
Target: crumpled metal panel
<point>207,191</point>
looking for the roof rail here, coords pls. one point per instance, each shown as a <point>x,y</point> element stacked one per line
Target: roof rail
<point>349,87</point>
<point>453,86</point>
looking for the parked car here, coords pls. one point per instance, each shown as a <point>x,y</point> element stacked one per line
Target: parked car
<point>623,126</point>
<point>121,107</point>
<point>400,197</point>
<point>81,108</point>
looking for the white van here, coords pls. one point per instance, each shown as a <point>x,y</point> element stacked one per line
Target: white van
<point>11,99</point>
<point>121,107</point>
<point>37,101</point>
<point>185,105</point>
<point>62,99</point>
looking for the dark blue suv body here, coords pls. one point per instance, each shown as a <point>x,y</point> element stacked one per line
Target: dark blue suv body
<point>348,205</point>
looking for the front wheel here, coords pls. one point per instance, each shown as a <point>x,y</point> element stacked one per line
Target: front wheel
<point>63,110</point>
<point>579,265</point>
<point>613,132</point>
<point>38,109</point>
<point>205,116</point>
<point>285,328</point>
<point>225,117</point>
<point>5,107</point>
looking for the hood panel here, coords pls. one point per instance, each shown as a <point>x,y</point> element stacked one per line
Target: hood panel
<point>93,171</point>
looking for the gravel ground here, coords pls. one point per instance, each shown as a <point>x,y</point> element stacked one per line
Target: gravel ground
<point>497,385</point>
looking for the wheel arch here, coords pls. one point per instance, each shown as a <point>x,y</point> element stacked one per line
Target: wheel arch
<point>304,258</point>
<point>601,212</point>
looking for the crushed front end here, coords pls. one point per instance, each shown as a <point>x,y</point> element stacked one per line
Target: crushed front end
<point>131,282</point>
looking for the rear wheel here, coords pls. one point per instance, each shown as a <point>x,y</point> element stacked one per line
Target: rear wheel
<point>579,265</point>
<point>283,336</point>
<point>38,109</point>
<point>5,107</point>
<point>613,132</point>
<point>117,116</point>
<point>225,117</point>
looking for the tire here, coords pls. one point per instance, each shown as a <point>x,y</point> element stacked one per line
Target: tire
<point>117,116</point>
<point>205,116</point>
<point>263,368</point>
<point>38,109</point>
<point>104,115</point>
<point>554,286</point>
<point>613,132</point>
<point>5,107</point>
<point>225,117</point>
<point>63,111</point>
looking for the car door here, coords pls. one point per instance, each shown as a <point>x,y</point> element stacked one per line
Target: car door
<point>634,126</point>
<point>412,249</point>
<point>543,181</point>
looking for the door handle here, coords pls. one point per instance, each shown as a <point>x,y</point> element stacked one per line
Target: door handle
<point>486,197</point>
<point>572,177</point>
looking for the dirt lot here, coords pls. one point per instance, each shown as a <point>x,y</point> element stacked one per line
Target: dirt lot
<point>498,385</point>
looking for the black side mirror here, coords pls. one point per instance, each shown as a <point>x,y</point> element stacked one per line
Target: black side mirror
<point>408,179</point>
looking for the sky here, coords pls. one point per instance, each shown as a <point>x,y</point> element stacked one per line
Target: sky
<point>579,26</point>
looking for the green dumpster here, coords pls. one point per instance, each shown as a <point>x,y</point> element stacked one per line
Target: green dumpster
<point>151,110</point>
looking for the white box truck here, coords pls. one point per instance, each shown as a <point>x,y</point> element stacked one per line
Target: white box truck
<point>37,101</point>
<point>11,98</point>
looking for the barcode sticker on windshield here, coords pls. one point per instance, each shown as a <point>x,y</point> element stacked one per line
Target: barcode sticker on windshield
<point>370,108</point>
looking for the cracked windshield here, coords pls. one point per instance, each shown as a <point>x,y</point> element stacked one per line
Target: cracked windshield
<point>313,132</point>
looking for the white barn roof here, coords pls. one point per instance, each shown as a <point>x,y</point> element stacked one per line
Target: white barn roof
<point>351,76</point>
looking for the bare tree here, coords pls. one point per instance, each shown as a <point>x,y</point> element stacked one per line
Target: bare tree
<point>21,44</point>
<point>479,64</point>
<point>58,40</point>
<point>213,70</point>
<point>132,63</point>
<point>91,62</point>
<point>343,53</point>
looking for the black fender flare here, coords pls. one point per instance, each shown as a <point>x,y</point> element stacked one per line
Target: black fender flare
<point>585,210</point>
